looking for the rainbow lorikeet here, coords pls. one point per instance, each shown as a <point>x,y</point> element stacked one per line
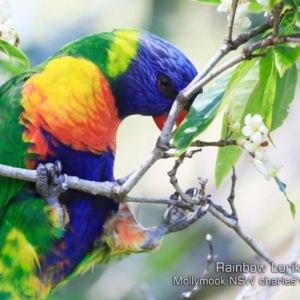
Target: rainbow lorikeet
<point>69,108</point>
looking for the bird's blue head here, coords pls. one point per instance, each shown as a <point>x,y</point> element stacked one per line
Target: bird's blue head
<point>156,72</point>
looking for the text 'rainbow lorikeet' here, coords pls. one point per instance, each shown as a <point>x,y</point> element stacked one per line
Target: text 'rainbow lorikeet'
<point>69,108</point>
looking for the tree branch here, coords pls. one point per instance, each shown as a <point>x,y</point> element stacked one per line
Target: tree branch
<point>173,180</point>
<point>243,234</point>
<point>107,188</point>
<point>228,46</point>
<point>220,143</point>
<point>228,37</point>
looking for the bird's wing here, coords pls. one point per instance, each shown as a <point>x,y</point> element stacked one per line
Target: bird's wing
<point>12,147</point>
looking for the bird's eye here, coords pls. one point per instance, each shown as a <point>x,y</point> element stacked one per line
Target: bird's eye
<point>165,83</point>
<point>166,86</point>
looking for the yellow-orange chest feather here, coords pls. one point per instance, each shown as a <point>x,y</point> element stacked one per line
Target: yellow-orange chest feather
<point>72,100</point>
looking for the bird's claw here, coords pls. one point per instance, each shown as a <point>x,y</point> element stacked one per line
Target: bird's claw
<point>50,184</point>
<point>62,185</point>
<point>175,218</point>
<point>174,213</point>
<point>53,171</point>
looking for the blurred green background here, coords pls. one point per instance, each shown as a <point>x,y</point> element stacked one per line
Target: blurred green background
<point>198,30</point>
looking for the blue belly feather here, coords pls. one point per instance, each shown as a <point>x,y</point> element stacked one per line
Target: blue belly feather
<point>87,212</point>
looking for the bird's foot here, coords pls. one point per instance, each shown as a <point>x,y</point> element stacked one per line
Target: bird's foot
<point>175,219</point>
<point>50,184</point>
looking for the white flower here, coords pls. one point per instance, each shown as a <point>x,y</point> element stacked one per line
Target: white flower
<point>7,31</point>
<point>240,18</point>
<point>247,131</point>
<point>268,169</point>
<point>255,129</point>
<point>224,6</point>
<point>256,121</point>
<point>263,129</point>
<point>260,156</point>
<point>257,138</point>
<point>256,133</point>
<point>246,23</point>
<point>265,4</point>
<point>248,120</point>
<point>250,147</point>
<point>5,10</point>
<point>229,117</point>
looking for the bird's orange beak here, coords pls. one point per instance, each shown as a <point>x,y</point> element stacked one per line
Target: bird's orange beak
<point>160,120</point>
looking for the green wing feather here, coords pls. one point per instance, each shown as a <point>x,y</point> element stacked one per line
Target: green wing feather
<point>27,228</point>
<point>12,148</point>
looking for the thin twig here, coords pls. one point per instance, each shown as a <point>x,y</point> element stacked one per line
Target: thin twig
<point>174,181</point>
<point>189,154</point>
<point>245,37</point>
<point>269,42</point>
<point>228,37</point>
<point>178,203</point>
<point>202,193</point>
<point>220,143</point>
<point>201,144</point>
<point>210,261</point>
<point>276,13</point>
<point>232,195</point>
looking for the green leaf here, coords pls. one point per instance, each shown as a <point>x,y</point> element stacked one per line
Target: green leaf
<point>255,7</point>
<point>256,89</point>
<point>292,3</point>
<point>298,19</point>
<point>14,52</point>
<point>12,68</point>
<point>226,159</point>
<point>289,3</point>
<point>287,23</point>
<point>285,57</point>
<point>201,114</point>
<point>213,2</point>
<point>244,92</point>
<point>282,188</point>
<point>267,77</point>
<point>278,91</point>
<point>237,77</point>
<point>284,95</point>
